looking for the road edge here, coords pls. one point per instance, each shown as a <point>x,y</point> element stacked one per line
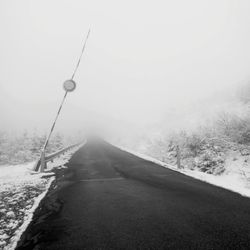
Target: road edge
<point>210,179</point>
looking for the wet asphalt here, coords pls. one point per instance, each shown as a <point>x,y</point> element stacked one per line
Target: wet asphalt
<point>110,199</point>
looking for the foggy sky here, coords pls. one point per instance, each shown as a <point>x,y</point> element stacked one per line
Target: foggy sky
<point>142,57</point>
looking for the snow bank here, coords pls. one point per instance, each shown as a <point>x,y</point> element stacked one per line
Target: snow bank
<point>232,180</point>
<point>21,191</point>
<point>28,217</point>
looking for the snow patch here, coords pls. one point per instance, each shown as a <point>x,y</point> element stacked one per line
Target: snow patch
<point>28,217</point>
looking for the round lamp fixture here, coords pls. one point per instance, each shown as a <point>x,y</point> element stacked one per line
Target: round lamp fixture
<point>69,85</point>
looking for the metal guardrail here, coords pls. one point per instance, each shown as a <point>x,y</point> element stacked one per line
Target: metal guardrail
<point>62,151</point>
<point>41,164</point>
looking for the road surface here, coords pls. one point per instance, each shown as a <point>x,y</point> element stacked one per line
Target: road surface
<point>110,199</point>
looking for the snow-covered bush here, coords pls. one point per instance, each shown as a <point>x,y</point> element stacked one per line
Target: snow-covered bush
<point>25,147</point>
<point>209,161</point>
<point>234,127</point>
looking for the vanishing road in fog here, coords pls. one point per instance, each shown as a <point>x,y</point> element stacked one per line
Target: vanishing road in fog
<point>110,199</point>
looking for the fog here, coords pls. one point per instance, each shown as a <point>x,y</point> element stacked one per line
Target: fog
<point>143,60</point>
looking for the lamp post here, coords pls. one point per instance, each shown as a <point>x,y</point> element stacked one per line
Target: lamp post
<point>68,86</point>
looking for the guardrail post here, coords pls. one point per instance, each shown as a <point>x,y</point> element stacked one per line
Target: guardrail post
<point>43,162</point>
<point>178,156</point>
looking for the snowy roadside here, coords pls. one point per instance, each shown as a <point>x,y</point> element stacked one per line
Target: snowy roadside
<point>21,191</point>
<point>232,180</point>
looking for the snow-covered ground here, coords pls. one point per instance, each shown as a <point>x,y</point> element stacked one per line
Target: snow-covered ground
<point>234,178</point>
<point>21,191</point>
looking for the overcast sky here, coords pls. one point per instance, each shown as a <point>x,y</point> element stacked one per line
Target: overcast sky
<point>142,57</point>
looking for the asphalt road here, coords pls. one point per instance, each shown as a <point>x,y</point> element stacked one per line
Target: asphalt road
<point>110,199</point>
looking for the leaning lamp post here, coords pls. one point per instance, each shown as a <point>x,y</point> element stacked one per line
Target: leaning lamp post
<point>68,86</point>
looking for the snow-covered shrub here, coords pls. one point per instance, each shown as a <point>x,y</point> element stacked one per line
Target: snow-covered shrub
<point>208,161</point>
<point>203,150</point>
<point>234,127</point>
<point>25,147</point>
<point>194,144</point>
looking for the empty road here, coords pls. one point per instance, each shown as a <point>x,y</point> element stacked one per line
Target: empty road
<point>110,199</point>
